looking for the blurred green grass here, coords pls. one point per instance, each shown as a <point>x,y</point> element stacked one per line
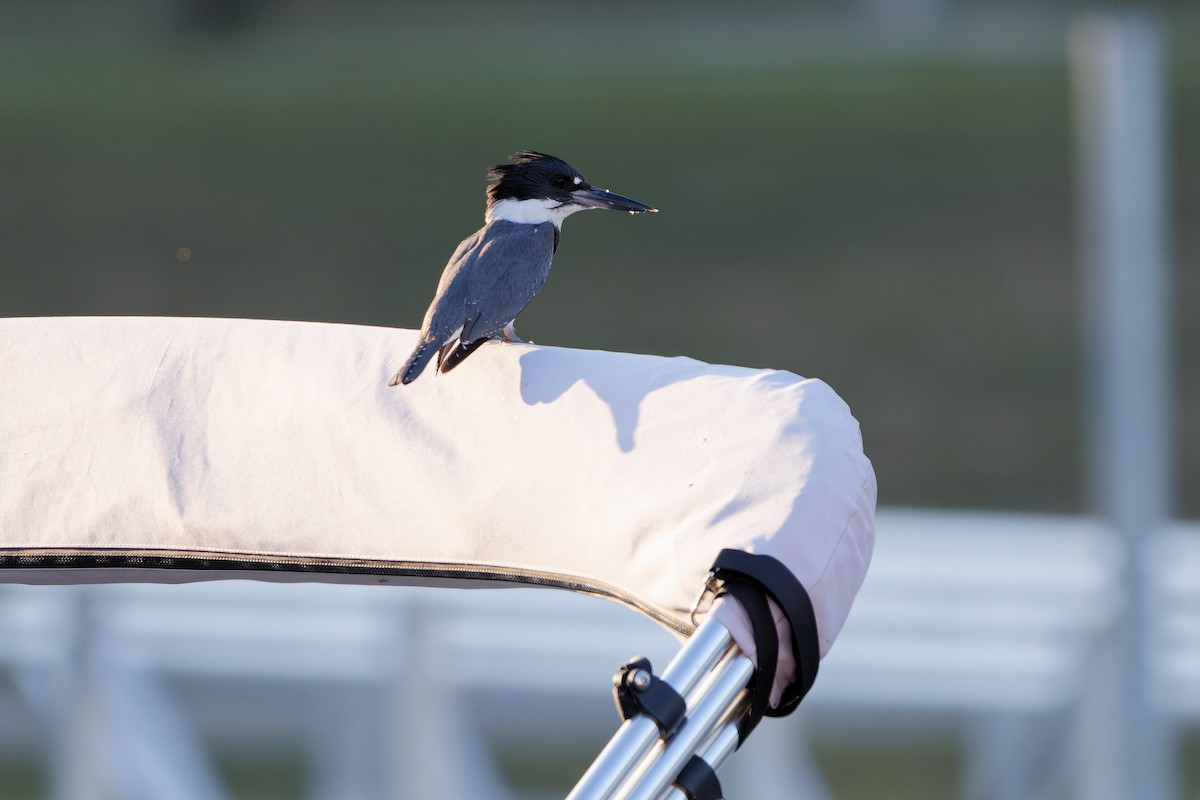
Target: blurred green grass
<point>901,228</point>
<point>915,772</point>
<point>924,768</point>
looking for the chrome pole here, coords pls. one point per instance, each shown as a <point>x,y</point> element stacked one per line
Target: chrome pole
<point>636,736</point>
<point>733,674</point>
<point>718,751</point>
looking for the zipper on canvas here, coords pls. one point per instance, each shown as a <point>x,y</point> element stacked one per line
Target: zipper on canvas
<point>183,559</point>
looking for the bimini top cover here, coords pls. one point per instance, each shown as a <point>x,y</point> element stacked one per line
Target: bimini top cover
<point>170,450</point>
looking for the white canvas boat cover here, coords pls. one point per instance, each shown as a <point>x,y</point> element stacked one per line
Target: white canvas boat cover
<point>171,450</point>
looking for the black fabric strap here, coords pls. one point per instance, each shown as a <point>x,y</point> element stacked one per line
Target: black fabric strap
<point>699,781</point>
<point>769,576</point>
<point>767,643</point>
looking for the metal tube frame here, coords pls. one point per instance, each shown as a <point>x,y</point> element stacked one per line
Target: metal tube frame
<point>712,675</point>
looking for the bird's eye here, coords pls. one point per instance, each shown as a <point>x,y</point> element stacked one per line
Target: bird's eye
<point>560,181</point>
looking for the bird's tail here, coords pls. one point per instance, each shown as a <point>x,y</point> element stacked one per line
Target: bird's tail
<point>416,363</point>
<point>454,353</point>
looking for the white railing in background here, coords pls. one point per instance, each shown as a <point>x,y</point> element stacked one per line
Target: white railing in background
<point>990,618</point>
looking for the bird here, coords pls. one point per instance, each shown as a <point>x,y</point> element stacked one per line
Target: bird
<point>496,271</point>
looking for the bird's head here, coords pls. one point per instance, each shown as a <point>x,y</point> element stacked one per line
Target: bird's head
<point>534,188</point>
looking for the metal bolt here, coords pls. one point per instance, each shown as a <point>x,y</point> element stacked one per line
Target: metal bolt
<point>640,680</point>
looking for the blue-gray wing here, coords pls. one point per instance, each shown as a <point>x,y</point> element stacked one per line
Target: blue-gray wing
<point>506,270</point>
<point>449,307</point>
<point>489,280</point>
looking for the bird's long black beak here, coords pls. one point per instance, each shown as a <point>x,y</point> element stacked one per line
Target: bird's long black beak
<point>591,197</point>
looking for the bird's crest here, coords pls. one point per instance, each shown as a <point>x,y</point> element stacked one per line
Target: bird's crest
<point>523,158</point>
<point>520,176</point>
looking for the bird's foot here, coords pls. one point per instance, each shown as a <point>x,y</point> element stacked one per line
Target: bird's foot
<point>509,334</point>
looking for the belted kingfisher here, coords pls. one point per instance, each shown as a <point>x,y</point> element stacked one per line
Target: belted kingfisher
<point>497,270</point>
